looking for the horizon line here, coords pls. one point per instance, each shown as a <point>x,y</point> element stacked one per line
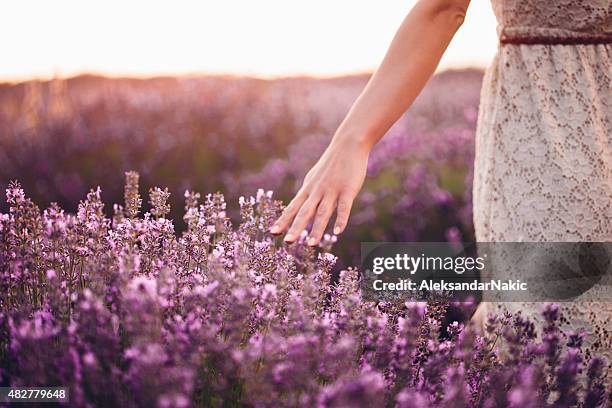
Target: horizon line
<point>211,74</point>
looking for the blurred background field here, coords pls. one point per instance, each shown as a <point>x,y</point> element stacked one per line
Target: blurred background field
<point>235,135</point>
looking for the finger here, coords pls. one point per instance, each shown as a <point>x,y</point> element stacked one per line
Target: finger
<point>289,213</point>
<point>323,214</point>
<point>345,202</point>
<point>302,218</point>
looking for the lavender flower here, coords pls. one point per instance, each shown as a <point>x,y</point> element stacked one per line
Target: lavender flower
<point>130,313</point>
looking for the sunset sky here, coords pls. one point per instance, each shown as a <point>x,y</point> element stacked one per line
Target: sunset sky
<point>263,38</point>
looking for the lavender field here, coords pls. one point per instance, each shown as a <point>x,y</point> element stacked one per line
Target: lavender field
<point>236,135</point>
<point>180,297</point>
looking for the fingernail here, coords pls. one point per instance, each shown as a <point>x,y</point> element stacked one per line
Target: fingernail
<point>275,229</point>
<point>336,230</point>
<point>288,238</point>
<point>311,241</point>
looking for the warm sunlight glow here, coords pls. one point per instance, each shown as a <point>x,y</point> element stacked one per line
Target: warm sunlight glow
<point>264,37</point>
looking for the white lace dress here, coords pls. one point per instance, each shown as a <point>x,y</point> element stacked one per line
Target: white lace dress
<point>543,169</point>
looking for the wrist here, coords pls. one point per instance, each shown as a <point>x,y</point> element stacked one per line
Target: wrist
<point>347,141</point>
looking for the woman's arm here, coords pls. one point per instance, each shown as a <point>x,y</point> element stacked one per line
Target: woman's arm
<point>337,177</point>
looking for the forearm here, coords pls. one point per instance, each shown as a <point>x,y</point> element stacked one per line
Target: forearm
<point>410,61</point>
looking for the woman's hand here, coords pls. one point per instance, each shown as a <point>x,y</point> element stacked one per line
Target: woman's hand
<point>410,61</point>
<point>332,183</point>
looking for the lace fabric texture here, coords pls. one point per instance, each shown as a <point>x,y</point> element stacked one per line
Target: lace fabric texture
<point>559,18</point>
<point>543,167</point>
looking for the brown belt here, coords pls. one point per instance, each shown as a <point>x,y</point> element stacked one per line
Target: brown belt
<point>551,40</point>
